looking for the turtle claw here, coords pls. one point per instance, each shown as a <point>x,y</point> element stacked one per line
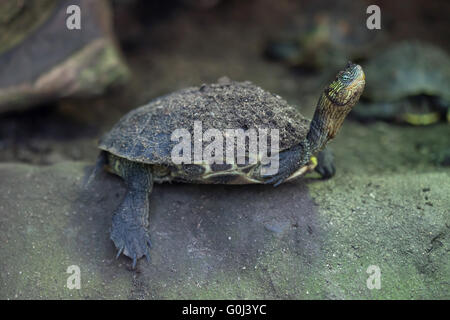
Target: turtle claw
<point>131,240</point>
<point>119,252</point>
<point>275,180</point>
<point>134,262</point>
<point>278,178</point>
<point>288,162</point>
<point>280,181</point>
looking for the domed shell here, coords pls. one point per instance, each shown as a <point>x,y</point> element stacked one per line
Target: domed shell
<point>144,134</point>
<point>408,69</point>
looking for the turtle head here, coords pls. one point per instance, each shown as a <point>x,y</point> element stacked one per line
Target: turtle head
<point>336,101</point>
<point>347,87</point>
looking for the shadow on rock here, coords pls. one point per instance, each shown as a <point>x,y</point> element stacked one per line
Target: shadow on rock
<point>201,231</point>
<point>211,241</point>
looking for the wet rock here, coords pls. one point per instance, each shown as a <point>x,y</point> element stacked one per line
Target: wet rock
<point>213,242</point>
<point>41,59</point>
<point>201,4</point>
<point>200,237</point>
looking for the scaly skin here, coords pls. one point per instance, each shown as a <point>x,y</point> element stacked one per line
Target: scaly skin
<point>130,220</point>
<point>336,101</point>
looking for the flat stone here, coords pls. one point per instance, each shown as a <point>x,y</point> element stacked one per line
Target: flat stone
<point>213,241</point>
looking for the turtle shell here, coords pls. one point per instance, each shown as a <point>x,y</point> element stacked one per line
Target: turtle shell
<point>409,68</point>
<point>144,134</point>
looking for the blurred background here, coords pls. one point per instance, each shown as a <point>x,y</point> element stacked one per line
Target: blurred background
<point>60,89</point>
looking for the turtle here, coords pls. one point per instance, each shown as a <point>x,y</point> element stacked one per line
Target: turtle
<point>140,147</point>
<point>325,38</point>
<point>409,83</point>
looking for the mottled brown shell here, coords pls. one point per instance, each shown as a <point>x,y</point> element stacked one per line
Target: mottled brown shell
<point>408,68</point>
<point>144,134</point>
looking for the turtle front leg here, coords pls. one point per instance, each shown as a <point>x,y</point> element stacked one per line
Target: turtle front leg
<point>325,164</point>
<point>130,220</point>
<point>289,161</point>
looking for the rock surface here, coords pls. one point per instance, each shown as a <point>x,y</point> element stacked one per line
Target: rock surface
<point>227,241</point>
<point>387,205</point>
<point>48,61</point>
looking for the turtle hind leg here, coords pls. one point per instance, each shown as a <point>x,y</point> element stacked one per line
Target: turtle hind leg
<point>130,220</point>
<point>325,164</point>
